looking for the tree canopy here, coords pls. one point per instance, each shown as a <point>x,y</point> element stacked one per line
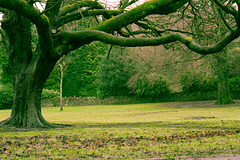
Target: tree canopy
<point>50,21</point>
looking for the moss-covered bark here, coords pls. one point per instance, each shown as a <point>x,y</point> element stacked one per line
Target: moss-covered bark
<point>221,68</point>
<point>30,70</point>
<point>28,85</point>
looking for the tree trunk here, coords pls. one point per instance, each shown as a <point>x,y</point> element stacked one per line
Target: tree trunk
<point>30,70</point>
<point>28,85</point>
<point>61,86</point>
<point>224,96</point>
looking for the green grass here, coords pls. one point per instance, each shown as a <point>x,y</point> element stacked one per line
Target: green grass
<point>159,130</point>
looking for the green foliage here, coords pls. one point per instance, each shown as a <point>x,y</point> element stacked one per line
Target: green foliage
<point>234,84</point>
<point>6,96</point>
<point>151,85</point>
<point>191,81</point>
<point>234,60</point>
<point>6,76</point>
<point>197,82</point>
<point>209,84</point>
<point>53,81</point>
<point>48,94</point>
<point>113,75</point>
<point>81,71</point>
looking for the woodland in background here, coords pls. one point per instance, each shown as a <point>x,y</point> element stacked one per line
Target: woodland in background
<point>146,74</point>
<point>138,75</point>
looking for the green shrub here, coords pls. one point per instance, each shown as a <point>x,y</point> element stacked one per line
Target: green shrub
<point>191,81</point>
<point>48,94</point>
<point>234,84</point>
<point>197,82</point>
<point>149,85</point>
<point>81,72</point>
<point>209,84</point>
<point>113,75</point>
<point>6,96</point>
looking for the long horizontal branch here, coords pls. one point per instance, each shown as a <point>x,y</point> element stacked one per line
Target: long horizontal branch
<point>77,39</point>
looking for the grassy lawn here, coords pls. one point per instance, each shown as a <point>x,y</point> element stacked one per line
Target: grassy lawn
<point>159,130</point>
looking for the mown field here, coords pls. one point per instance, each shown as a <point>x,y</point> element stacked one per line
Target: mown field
<point>138,131</point>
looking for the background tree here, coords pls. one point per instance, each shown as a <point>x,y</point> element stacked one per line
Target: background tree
<point>218,25</point>
<point>115,70</point>
<point>207,23</point>
<point>31,66</point>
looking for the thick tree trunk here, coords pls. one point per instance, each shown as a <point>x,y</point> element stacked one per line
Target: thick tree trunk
<point>30,70</point>
<point>28,85</point>
<point>223,89</point>
<point>61,86</point>
<point>224,96</point>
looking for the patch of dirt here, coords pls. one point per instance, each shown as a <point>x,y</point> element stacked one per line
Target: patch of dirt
<point>201,117</point>
<point>146,113</point>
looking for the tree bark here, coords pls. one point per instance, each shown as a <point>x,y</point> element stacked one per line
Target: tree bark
<point>224,96</point>
<point>61,86</point>
<point>28,85</point>
<point>30,70</point>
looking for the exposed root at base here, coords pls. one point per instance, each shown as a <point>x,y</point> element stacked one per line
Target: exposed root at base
<point>36,123</point>
<point>225,100</point>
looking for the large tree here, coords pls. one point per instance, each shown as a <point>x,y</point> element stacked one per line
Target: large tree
<point>31,65</point>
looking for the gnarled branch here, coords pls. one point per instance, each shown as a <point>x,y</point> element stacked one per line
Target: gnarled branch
<point>76,39</point>
<point>151,7</point>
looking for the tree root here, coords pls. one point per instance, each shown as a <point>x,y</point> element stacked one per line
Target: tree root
<point>225,100</point>
<point>37,122</point>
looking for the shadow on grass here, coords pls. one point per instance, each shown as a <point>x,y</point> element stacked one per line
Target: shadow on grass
<point>194,123</point>
<point>199,104</point>
<point>19,129</point>
<point>224,125</point>
<point>188,125</point>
